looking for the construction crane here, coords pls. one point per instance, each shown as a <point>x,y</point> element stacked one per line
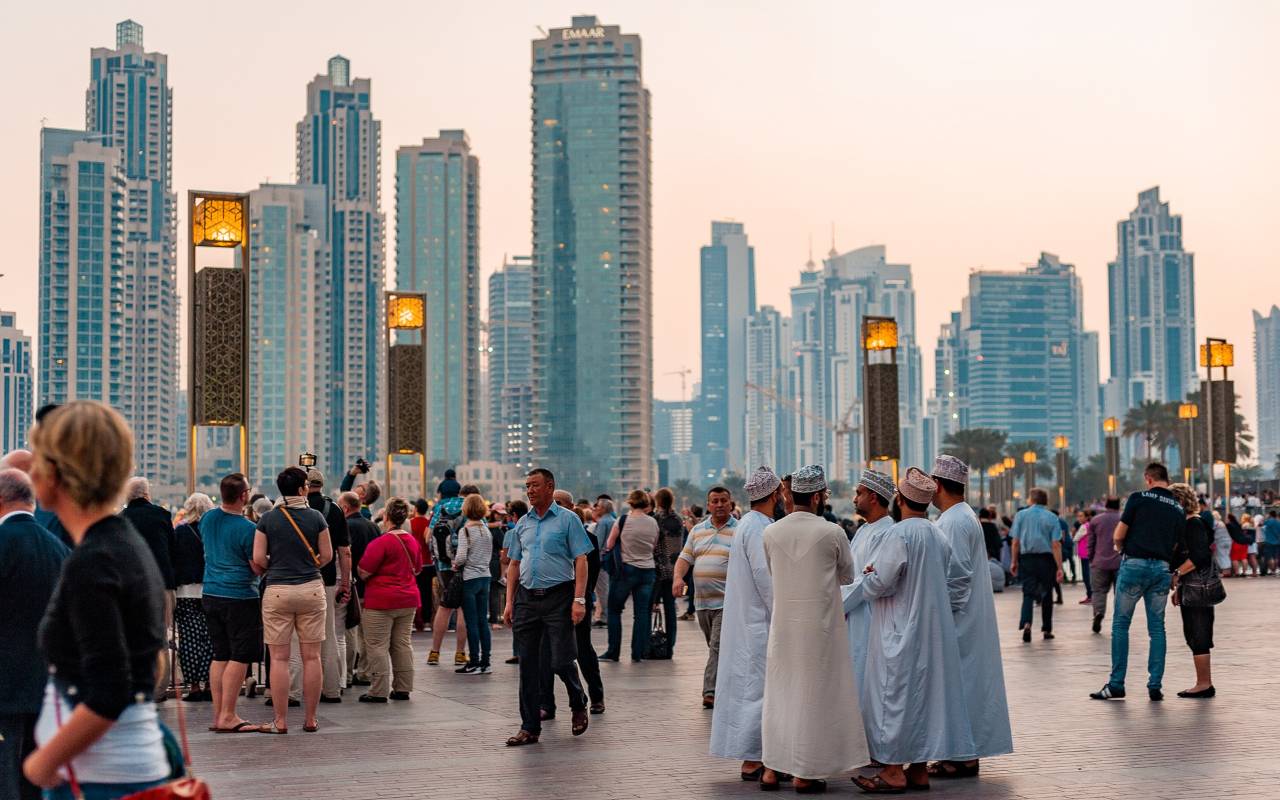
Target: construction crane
<point>684,377</point>
<point>840,429</point>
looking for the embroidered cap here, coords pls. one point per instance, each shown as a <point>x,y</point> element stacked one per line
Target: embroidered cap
<point>951,468</point>
<point>917,487</point>
<point>877,482</point>
<point>762,483</point>
<point>808,480</point>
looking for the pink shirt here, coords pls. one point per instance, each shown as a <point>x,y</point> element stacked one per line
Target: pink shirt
<point>391,581</point>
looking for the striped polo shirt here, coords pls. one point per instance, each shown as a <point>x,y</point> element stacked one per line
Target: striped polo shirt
<point>707,549</point>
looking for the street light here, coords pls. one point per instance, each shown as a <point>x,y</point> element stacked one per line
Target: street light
<point>1009,464</point>
<point>406,370</point>
<point>1188,412</point>
<point>1029,460</point>
<point>1061,443</point>
<point>1220,410</point>
<point>1111,426</point>
<point>880,424</point>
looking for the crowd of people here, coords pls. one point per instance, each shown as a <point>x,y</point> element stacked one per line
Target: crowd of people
<point>869,649</point>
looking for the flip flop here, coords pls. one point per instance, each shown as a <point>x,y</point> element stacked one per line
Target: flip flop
<point>240,727</point>
<point>877,785</point>
<point>273,729</point>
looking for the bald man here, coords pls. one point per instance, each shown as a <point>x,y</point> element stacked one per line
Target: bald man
<point>21,460</point>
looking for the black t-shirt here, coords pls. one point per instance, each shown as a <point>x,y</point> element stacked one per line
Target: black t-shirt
<point>339,536</point>
<point>290,562</point>
<point>1156,524</point>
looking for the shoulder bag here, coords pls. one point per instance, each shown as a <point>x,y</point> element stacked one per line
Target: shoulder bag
<point>298,530</point>
<point>1201,588</point>
<point>612,561</point>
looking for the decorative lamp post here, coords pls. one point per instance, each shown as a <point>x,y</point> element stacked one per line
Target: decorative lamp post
<point>1111,427</point>
<point>1029,474</point>
<point>1188,413</point>
<point>1009,464</point>
<point>406,370</point>
<point>1220,411</point>
<point>1061,443</point>
<point>880,422</point>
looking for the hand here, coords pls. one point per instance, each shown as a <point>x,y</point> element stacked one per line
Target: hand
<point>1174,596</point>
<point>1013,568</point>
<point>1058,575</point>
<point>579,613</point>
<point>870,568</point>
<point>42,775</point>
<point>678,588</point>
<point>507,614</point>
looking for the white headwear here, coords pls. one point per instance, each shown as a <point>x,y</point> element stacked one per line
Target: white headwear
<point>877,482</point>
<point>762,483</point>
<point>808,480</point>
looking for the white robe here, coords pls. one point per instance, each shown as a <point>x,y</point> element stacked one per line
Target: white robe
<point>744,638</point>
<point>812,723</point>
<point>978,636</point>
<point>857,611</point>
<point>913,694</point>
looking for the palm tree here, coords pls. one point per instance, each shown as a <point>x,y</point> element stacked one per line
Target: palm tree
<point>980,448</point>
<point>1244,439</point>
<point>685,491</point>
<point>1016,450</point>
<point>737,486</point>
<point>1151,421</point>
<point>1246,474</point>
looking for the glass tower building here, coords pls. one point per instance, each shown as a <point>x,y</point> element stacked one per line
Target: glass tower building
<point>728,284</point>
<point>1266,360</point>
<point>438,252</point>
<point>767,422</point>
<point>129,106</point>
<point>1151,286</point>
<point>17,401</point>
<point>339,148</point>
<point>511,362</point>
<point>592,283</point>
<point>289,328</point>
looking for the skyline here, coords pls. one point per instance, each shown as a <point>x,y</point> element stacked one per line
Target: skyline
<point>1096,141</point>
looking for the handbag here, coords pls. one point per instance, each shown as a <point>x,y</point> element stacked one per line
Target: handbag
<point>183,785</point>
<point>452,595</point>
<point>353,611</point>
<point>659,642</point>
<point>612,561</point>
<point>1201,588</point>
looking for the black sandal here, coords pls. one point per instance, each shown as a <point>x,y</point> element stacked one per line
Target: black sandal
<point>753,775</point>
<point>877,785</point>
<point>953,769</point>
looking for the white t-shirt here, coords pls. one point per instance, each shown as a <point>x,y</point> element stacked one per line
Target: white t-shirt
<point>131,751</point>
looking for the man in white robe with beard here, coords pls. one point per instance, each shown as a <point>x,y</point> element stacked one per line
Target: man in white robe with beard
<point>744,632</point>
<point>872,500</point>
<point>977,633</point>
<point>913,695</point>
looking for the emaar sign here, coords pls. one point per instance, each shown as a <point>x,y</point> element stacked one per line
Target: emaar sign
<point>582,33</point>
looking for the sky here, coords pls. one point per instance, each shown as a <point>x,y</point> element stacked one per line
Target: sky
<point>960,135</point>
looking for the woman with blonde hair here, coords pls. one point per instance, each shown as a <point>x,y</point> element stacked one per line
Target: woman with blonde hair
<point>195,650</point>
<point>471,566</point>
<point>104,627</point>
<point>389,568</point>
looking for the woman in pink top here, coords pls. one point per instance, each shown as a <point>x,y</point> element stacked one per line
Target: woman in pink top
<point>391,598</point>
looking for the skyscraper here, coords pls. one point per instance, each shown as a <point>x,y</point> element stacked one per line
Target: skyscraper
<point>767,421</point>
<point>1152,307</point>
<point>1019,359</point>
<point>827,310</point>
<point>438,252</point>
<point>129,105</point>
<point>948,408</point>
<point>339,147</point>
<point>511,363</point>
<point>82,224</point>
<point>18,400</point>
<point>728,292</point>
<point>1266,360</point>
<point>592,287</point>
<point>288,328</point>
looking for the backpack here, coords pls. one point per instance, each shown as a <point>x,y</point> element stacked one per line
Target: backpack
<point>447,524</point>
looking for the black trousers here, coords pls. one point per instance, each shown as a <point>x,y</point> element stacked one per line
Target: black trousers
<point>545,615</point>
<point>1037,571</point>
<point>588,662</point>
<point>17,741</point>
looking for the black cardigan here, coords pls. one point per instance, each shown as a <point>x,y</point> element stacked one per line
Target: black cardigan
<point>105,622</point>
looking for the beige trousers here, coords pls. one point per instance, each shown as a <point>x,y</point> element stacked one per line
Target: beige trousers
<point>389,649</point>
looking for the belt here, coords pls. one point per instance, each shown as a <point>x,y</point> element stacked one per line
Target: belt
<point>547,591</point>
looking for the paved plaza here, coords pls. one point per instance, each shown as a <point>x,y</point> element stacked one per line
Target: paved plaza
<point>652,742</point>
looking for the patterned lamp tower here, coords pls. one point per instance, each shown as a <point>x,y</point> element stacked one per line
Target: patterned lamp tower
<point>406,371</point>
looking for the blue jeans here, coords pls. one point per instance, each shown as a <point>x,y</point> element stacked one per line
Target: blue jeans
<point>637,584</point>
<point>1148,580</point>
<point>99,791</point>
<point>475,609</point>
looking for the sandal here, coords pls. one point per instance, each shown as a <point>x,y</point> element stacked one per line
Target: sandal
<point>273,729</point>
<point>753,775</point>
<point>579,722</point>
<point>239,727</point>
<point>812,787</point>
<point>522,738</point>
<point>877,785</point>
<point>953,769</point>
<point>312,728</point>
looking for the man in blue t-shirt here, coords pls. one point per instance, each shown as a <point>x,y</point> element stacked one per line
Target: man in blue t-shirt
<point>230,601</point>
<point>1270,543</point>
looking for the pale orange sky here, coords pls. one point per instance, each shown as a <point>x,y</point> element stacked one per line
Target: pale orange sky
<point>960,135</point>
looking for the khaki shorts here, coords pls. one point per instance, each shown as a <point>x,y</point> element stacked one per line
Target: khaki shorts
<point>285,608</point>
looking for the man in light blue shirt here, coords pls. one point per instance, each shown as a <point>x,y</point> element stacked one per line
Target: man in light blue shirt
<point>546,597</point>
<point>1037,560</point>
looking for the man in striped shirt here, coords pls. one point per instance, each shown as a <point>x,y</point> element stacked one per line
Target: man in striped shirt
<point>707,552</point>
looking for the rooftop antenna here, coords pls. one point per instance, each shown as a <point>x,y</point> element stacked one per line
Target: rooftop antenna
<point>809,264</point>
<point>833,252</point>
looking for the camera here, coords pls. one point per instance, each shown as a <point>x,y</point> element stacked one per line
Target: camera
<point>362,466</point>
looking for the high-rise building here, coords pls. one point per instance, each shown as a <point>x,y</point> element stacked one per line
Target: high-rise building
<point>129,106</point>
<point>728,292</point>
<point>339,148</point>
<point>767,421</point>
<point>827,310</point>
<point>15,384</point>
<point>1152,306</point>
<point>947,410</point>
<point>673,442</point>
<point>1017,359</point>
<point>511,363</point>
<point>592,283</point>
<point>82,222</point>
<point>288,328</point>
<point>1266,360</point>
<point>438,252</point>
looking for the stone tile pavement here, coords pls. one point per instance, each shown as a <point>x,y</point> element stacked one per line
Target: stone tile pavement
<point>447,742</point>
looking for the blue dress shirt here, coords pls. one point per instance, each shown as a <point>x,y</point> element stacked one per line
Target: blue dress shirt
<point>546,546</point>
<point>1036,528</point>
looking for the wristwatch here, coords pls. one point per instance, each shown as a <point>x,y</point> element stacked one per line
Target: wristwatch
<point>582,601</point>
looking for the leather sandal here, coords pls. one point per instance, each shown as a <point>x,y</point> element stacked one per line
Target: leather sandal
<point>522,738</point>
<point>953,769</point>
<point>580,721</point>
<point>877,785</point>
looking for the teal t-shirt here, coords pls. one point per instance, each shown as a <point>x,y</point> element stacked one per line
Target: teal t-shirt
<point>228,549</point>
